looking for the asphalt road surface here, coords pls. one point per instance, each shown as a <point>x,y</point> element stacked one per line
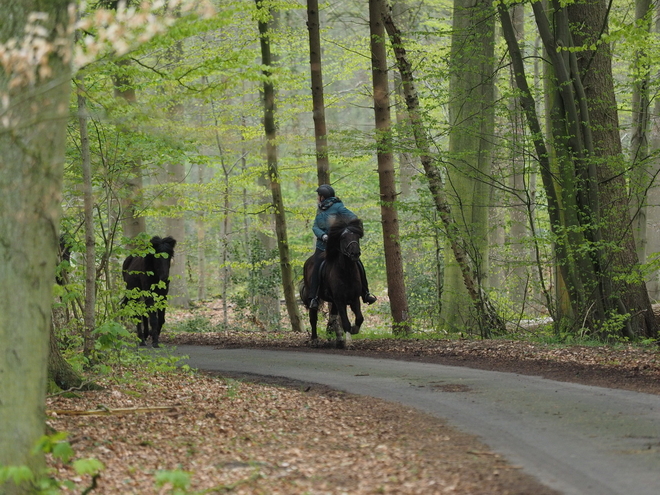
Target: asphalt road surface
<point>574,438</point>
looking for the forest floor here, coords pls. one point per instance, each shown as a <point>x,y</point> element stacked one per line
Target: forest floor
<point>213,434</point>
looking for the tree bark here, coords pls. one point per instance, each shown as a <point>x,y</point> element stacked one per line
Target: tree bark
<point>620,257</point>
<point>396,287</point>
<point>318,104</point>
<point>90,244</point>
<point>641,177</point>
<point>288,283</point>
<point>583,132</point>
<point>471,120</point>
<point>489,320</point>
<point>32,140</point>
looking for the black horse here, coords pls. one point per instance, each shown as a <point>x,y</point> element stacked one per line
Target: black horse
<point>148,279</point>
<point>340,281</point>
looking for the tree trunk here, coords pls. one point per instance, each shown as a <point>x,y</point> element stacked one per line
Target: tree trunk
<point>61,372</point>
<point>583,131</point>
<point>318,104</point>
<point>90,243</point>
<point>488,318</point>
<point>471,118</point>
<point>641,177</point>
<point>519,204</point>
<point>396,287</point>
<point>200,227</point>
<point>176,224</point>
<point>32,140</point>
<point>621,262</point>
<point>133,223</point>
<point>288,283</point>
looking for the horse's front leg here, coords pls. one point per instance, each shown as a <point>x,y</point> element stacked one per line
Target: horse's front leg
<point>143,330</point>
<point>359,318</point>
<point>155,321</point>
<point>345,327</point>
<point>313,320</point>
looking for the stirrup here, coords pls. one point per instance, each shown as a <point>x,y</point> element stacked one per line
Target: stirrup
<point>314,303</point>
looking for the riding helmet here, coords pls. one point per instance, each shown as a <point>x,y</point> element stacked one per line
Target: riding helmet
<point>326,191</point>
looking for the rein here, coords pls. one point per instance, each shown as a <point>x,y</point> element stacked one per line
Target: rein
<point>345,249</point>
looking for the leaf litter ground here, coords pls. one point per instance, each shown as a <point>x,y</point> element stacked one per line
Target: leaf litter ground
<point>282,437</point>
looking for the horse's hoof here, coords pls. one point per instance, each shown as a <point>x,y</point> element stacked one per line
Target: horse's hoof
<point>355,330</point>
<point>156,346</point>
<point>340,344</point>
<point>143,344</point>
<point>314,342</point>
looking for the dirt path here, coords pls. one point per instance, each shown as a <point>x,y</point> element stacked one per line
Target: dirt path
<point>575,438</point>
<point>225,436</point>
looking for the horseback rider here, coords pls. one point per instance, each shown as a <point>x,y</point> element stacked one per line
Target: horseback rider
<point>330,207</point>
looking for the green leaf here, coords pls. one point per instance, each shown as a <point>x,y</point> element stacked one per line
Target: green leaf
<point>63,451</point>
<point>18,474</point>
<point>177,478</point>
<point>88,466</point>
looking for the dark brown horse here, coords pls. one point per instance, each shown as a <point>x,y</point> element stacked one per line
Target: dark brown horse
<point>148,280</point>
<point>340,283</point>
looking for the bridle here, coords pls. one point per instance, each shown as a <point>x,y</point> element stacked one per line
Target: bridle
<point>345,248</point>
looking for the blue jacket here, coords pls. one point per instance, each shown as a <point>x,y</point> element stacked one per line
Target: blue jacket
<point>326,213</point>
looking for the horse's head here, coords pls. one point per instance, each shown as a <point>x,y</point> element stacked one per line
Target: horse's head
<point>163,256</point>
<point>344,237</point>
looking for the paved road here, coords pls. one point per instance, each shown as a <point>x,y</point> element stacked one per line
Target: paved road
<point>574,438</point>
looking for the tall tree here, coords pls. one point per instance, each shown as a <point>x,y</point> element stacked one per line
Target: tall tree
<point>594,65</point>
<point>488,318</point>
<point>653,194</point>
<point>471,120</point>
<point>593,243</point>
<point>641,176</point>
<point>388,196</point>
<point>35,92</point>
<point>133,222</point>
<point>270,129</point>
<point>519,200</point>
<point>318,103</point>
<point>88,200</point>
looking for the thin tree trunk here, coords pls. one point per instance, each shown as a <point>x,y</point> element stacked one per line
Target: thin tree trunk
<point>201,241</point>
<point>639,146</point>
<point>90,243</point>
<point>288,283</point>
<point>395,281</point>
<point>519,207</point>
<point>318,104</point>
<point>176,224</point>
<point>133,223</point>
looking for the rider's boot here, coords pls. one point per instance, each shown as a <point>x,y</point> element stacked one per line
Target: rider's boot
<point>369,298</point>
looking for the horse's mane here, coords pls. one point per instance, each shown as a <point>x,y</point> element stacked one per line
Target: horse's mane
<point>338,226</point>
<point>165,245</point>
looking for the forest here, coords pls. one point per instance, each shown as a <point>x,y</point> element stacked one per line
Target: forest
<point>502,160</point>
<point>502,157</point>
